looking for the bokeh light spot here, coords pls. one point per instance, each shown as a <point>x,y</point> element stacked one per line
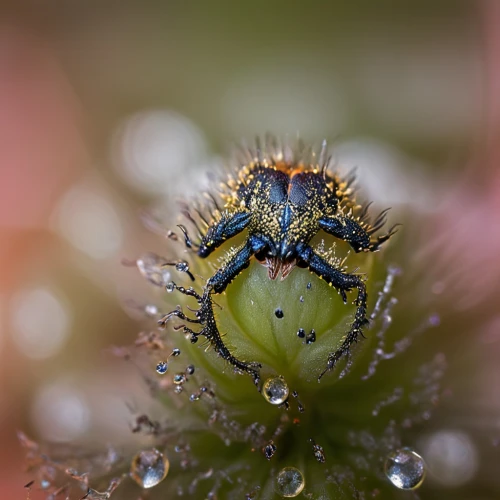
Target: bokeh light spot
<point>153,148</point>
<point>60,412</point>
<point>40,322</point>
<point>451,457</point>
<point>89,222</point>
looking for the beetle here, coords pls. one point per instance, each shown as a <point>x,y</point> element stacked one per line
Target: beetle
<point>282,203</point>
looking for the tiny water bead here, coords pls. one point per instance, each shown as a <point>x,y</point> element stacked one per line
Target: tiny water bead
<point>301,333</point>
<point>149,468</point>
<point>170,287</point>
<point>275,390</point>
<point>162,367</point>
<point>405,469</point>
<point>289,482</point>
<point>319,453</point>
<point>179,379</point>
<point>176,352</point>
<point>269,450</point>
<point>278,312</point>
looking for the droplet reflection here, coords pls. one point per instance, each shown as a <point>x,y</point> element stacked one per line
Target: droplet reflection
<point>289,482</point>
<point>162,367</point>
<point>149,468</point>
<point>405,469</point>
<point>275,390</point>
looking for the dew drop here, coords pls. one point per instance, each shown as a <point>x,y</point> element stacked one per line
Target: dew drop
<point>289,482</point>
<point>275,390</point>
<point>176,352</point>
<point>179,379</point>
<point>405,469</point>
<point>189,369</point>
<point>162,367</point>
<point>301,333</point>
<point>309,286</point>
<point>149,468</point>
<point>182,267</point>
<point>278,313</point>
<point>269,450</point>
<point>170,287</point>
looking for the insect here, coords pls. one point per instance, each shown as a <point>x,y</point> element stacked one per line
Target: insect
<point>282,203</point>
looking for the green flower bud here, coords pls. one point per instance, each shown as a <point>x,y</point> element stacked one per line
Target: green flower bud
<point>345,436</point>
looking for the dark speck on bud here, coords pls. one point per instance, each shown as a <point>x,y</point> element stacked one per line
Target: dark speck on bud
<point>311,337</point>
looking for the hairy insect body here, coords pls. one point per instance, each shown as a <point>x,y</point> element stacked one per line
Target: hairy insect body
<point>282,206</point>
<point>286,208</point>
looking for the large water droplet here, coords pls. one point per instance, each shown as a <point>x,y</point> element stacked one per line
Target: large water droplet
<point>275,390</point>
<point>289,482</point>
<point>149,468</point>
<point>162,367</point>
<point>405,469</point>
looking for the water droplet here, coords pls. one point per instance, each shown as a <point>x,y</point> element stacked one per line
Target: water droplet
<point>170,287</point>
<point>279,313</point>
<point>309,286</point>
<point>176,352</point>
<point>301,333</point>
<point>162,367</point>
<point>179,379</point>
<point>319,453</point>
<point>289,482</point>
<point>182,267</point>
<point>269,450</point>
<point>189,369</point>
<point>149,468</point>
<point>275,390</point>
<point>405,469</point>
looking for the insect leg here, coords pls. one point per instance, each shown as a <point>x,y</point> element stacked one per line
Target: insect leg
<point>229,225</point>
<point>211,333</point>
<point>216,285</point>
<point>344,282</point>
<point>357,233</point>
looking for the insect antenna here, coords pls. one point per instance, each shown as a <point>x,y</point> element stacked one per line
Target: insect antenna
<point>187,239</point>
